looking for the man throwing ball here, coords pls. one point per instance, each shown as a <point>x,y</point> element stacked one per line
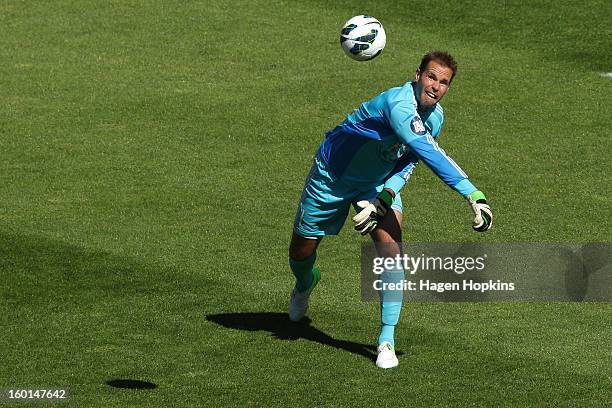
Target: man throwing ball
<point>365,161</point>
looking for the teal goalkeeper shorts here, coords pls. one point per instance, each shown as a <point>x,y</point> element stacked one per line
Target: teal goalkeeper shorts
<point>326,201</point>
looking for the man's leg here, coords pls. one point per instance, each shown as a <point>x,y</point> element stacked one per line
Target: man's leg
<point>322,211</point>
<point>302,256</point>
<point>387,238</point>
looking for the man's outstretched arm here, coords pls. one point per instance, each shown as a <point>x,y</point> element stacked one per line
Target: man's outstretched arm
<point>413,133</point>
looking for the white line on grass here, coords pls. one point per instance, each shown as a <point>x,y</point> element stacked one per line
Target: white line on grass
<point>606,74</point>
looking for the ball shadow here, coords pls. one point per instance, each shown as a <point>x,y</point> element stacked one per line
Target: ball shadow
<point>131,384</point>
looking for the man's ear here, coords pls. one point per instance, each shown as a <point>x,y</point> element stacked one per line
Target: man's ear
<point>418,74</point>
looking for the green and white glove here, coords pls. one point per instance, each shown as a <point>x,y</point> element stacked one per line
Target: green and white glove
<point>371,212</point>
<point>483,217</point>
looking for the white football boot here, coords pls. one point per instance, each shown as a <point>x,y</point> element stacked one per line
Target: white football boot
<point>386,356</point>
<point>298,302</point>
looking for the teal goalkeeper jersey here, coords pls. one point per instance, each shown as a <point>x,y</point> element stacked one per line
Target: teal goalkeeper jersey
<point>382,141</point>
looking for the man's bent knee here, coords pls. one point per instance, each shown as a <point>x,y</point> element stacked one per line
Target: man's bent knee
<point>301,248</point>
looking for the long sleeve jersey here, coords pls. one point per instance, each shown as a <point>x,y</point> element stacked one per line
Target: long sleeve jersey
<point>382,141</point>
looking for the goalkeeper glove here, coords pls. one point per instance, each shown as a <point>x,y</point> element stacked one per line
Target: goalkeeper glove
<point>483,217</point>
<point>371,212</point>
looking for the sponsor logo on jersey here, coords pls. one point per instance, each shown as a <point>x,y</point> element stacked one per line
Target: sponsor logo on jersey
<point>417,126</point>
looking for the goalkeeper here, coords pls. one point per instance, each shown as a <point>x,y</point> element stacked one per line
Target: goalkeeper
<point>365,161</point>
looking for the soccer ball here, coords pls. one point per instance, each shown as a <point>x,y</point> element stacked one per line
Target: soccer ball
<point>363,38</point>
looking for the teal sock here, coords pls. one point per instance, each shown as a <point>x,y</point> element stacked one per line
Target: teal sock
<point>387,333</point>
<point>302,270</point>
<point>390,307</point>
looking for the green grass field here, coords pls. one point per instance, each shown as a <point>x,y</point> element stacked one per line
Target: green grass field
<point>153,153</point>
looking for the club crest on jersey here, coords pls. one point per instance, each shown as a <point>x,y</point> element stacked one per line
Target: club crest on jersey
<point>417,126</point>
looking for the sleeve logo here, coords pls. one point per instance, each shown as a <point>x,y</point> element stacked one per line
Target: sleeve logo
<point>417,126</point>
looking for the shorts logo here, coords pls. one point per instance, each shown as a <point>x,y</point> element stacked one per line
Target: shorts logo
<point>417,126</point>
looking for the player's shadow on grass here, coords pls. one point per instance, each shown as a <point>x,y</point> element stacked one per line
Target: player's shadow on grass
<point>279,325</point>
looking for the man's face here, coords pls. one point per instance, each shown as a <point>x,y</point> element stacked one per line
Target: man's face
<point>432,83</point>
